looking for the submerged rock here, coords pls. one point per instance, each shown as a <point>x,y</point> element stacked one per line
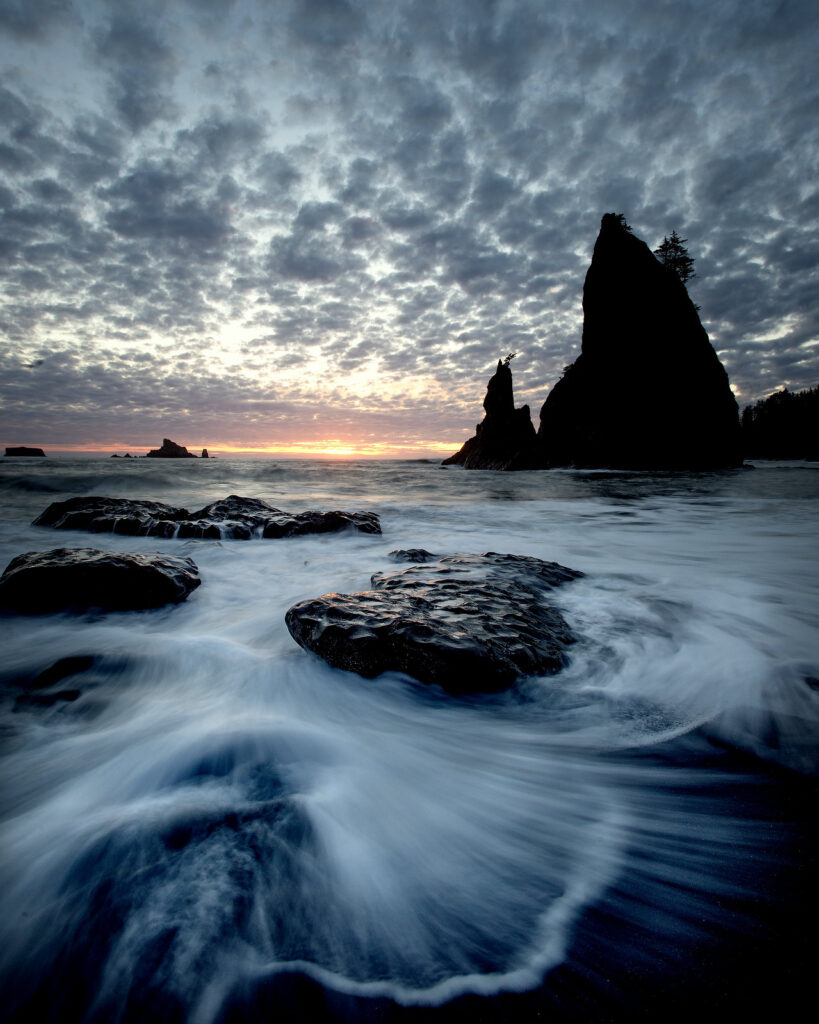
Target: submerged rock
<point>412,555</point>
<point>468,623</point>
<point>26,452</point>
<point>648,390</point>
<point>506,438</point>
<point>170,450</point>
<point>75,579</point>
<point>234,517</point>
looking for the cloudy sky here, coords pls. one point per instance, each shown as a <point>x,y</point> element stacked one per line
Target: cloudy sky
<point>315,225</point>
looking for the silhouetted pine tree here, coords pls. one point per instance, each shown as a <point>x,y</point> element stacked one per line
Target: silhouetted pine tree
<point>674,255</point>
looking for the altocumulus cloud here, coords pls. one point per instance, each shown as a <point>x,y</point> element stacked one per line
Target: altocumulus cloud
<point>258,224</point>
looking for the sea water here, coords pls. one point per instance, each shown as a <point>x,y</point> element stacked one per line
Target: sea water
<point>223,827</point>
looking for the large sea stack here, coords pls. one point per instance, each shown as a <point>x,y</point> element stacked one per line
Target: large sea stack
<point>506,438</point>
<point>648,390</point>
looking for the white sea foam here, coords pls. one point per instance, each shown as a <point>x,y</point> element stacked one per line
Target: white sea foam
<point>219,806</point>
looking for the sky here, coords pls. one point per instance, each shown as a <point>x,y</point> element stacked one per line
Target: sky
<point>313,226</point>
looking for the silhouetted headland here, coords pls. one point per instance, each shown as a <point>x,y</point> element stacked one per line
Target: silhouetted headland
<point>785,425</point>
<point>647,391</point>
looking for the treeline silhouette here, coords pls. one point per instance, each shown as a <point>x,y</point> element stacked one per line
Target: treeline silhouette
<point>785,425</point>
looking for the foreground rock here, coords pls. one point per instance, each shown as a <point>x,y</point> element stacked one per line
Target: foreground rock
<point>170,450</point>
<point>233,518</point>
<point>648,390</point>
<point>506,438</point>
<point>468,623</point>
<point>26,452</point>
<point>75,579</point>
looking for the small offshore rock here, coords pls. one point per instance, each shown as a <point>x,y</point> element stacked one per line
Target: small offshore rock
<point>76,579</point>
<point>468,623</point>
<point>27,453</point>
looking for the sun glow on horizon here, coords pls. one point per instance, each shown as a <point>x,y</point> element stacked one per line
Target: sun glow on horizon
<point>329,448</point>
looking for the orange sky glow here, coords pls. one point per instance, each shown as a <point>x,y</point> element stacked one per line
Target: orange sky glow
<point>331,448</point>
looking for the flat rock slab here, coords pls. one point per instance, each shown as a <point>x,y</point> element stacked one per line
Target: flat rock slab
<point>76,579</point>
<point>231,518</point>
<point>468,623</point>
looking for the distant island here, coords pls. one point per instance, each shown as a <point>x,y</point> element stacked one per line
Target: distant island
<point>26,452</point>
<point>647,392</point>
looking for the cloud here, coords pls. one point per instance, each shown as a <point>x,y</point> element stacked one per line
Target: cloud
<point>360,203</point>
<point>32,19</point>
<point>141,62</point>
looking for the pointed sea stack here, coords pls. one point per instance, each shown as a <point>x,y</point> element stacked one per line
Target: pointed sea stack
<point>506,438</point>
<point>648,390</point>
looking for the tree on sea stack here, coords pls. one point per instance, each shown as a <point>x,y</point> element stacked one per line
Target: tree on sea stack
<point>674,255</point>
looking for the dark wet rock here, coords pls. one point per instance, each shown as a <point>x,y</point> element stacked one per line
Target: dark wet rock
<point>506,438</point>
<point>75,579</point>
<point>468,623</point>
<point>170,450</point>
<point>113,515</point>
<point>242,518</point>
<point>204,454</point>
<point>296,524</point>
<point>411,555</point>
<point>26,452</point>
<point>648,390</point>
<point>234,517</point>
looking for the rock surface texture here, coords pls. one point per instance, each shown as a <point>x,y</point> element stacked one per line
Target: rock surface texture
<point>648,390</point>
<point>506,438</point>
<point>468,623</point>
<point>75,579</point>
<point>231,518</point>
<point>170,450</point>
<point>26,452</point>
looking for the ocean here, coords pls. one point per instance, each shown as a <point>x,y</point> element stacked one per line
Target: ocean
<point>221,827</point>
